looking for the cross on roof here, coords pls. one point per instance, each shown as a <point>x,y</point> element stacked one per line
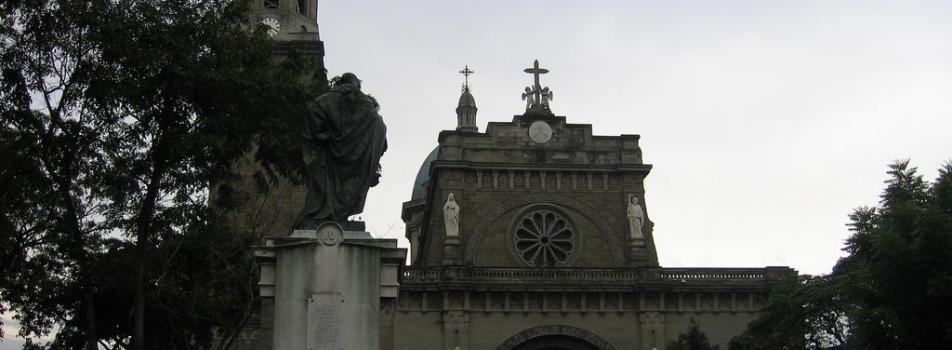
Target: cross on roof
<point>537,98</point>
<point>536,71</point>
<point>466,72</point>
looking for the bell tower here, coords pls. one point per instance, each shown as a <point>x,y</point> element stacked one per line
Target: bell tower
<point>293,25</point>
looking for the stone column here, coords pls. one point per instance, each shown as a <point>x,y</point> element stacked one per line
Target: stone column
<point>387,308</point>
<point>455,330</point>
<point>652,330</point>
<point>266,260</point>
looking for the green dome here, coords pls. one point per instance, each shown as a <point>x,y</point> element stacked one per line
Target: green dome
<point>423,175</point>
<point>466,99</point>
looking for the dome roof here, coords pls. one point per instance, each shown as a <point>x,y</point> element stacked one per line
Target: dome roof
<point>466,99</point>
<point>423,175</point>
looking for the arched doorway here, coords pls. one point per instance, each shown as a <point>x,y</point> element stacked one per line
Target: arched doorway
<point>556,342</point>
<point>555,337</point>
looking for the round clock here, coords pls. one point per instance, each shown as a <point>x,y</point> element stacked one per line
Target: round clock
<point>540,131</point>
<point>273,25</point>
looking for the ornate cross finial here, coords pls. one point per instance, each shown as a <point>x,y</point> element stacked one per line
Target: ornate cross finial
<point>536,71</point>
<point>537,98</point>
<point>466,72</point>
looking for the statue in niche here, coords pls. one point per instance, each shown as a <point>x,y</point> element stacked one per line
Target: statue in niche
<point>345,138</point>
<point>451,216</point>
<point>636,218</point>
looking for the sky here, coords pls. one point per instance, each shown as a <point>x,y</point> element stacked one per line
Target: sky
<point>767,122</point>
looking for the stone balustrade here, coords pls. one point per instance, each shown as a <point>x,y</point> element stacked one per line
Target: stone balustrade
<point>416,275</point>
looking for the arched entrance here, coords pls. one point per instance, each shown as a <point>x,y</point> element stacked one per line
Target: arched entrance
<point>556,342</point>
<point>555,337</point>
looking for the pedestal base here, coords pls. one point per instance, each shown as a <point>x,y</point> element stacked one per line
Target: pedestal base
<point>327,286</point>
<point>638,254</point>
<point>452,253</point>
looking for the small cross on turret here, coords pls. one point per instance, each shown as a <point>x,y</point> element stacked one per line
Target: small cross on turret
<point>466,110</point>
<point>537,98</point>
<point>466,72</point>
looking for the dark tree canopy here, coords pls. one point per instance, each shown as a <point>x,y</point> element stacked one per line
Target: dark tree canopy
<point>892,291</point>
<point>115,118</point>
<point>694,339</point>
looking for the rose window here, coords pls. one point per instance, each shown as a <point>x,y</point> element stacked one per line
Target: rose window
<point>544,238</point>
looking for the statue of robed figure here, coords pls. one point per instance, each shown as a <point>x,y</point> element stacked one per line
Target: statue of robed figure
<point>346,138</point>
<point>636,219</point>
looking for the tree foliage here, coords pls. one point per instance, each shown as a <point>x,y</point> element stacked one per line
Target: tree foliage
<point>116,118</point>
<point>805,313</point>
<point>892,291</point>
<point>694,339</point>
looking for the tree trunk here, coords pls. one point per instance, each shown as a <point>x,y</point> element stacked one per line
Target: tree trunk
<point>64,181</point>
<point>143,227</point>
<point>89,300</point>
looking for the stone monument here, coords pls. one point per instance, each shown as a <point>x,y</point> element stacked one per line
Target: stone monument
<point>325,287</point>
<point>322,288</point>
<point>345,138</point>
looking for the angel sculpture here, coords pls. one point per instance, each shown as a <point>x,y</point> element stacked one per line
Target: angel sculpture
<point>528,96</point>
<point>546,97</point>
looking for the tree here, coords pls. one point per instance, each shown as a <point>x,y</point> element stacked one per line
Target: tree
<point>694,339</point>
<point>898,274</point>
<point>893,290</point>
<point>805,313</point>
<point>116,118</point>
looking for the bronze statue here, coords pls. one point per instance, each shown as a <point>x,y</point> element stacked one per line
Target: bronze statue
<point>346,138</point>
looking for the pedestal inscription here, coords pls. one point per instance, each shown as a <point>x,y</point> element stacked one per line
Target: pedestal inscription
<point>324,314</point>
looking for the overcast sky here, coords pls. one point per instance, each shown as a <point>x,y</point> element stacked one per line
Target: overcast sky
<point>767,122</point>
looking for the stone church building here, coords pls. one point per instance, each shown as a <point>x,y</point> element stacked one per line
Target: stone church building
<point>533,234</point>
<point>551,246</point>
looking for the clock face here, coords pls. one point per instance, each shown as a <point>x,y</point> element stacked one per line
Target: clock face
<point>540,131</point>
<point>273,25</point>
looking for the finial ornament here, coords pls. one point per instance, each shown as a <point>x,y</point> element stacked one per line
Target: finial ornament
<point>537,97</point>
<point>466,72</point>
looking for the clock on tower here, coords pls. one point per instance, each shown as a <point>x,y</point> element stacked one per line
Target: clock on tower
<point>292,24</point>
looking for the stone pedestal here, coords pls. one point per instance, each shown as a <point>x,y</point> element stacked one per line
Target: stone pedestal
<point>638,254</point>
<point>326,287</point>
<point>452,253</point>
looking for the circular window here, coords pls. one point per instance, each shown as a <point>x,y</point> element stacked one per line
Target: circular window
<point>544,238</point>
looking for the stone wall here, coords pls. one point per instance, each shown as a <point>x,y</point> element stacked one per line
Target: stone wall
<point>623,308</point>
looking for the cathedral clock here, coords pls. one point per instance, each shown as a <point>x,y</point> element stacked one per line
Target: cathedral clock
<point>274,26</point>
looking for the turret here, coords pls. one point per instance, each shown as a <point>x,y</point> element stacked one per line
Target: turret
<point>466,109</point>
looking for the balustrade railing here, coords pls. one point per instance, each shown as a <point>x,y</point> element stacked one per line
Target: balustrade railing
<point>417,275</point>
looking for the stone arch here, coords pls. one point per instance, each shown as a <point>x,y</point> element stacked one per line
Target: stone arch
<point>615,245</point>
<point>536,333</point>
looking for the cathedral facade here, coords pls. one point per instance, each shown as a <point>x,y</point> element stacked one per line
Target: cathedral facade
<point>532,234</point>
<point>535,234</point>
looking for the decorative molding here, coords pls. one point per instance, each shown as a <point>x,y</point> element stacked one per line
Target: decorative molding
<point>651,319</point>
<point>455,318</point>
<point>565,330</point>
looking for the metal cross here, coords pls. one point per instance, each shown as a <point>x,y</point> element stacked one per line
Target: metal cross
<point>466,72</point>
<point>536,71</point>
